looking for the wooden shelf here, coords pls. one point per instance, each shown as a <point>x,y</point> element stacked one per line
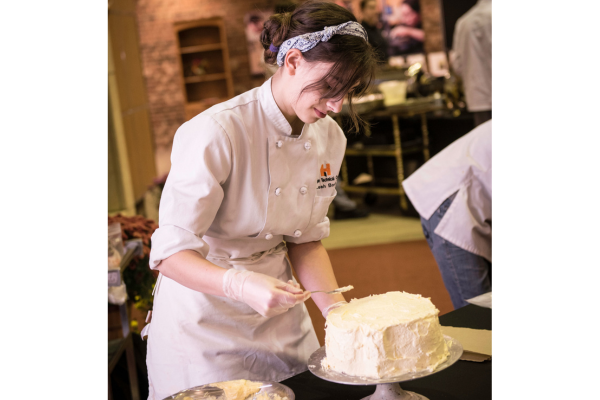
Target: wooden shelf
<point>201,48</point>
<point>372,189</point>
<point>202,45</point>
<point>384,150</point>
<point>205,78</point>
<point>372,151</point>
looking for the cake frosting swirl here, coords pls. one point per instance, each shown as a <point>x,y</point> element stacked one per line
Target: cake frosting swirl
<point>383,336</point>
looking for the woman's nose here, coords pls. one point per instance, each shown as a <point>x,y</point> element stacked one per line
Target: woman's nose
<point>335,105</point>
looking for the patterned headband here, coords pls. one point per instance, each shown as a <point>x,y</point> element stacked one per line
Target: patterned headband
<point>309,40</point>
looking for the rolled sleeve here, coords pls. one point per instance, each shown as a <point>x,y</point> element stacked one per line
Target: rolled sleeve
<point>200,165</point>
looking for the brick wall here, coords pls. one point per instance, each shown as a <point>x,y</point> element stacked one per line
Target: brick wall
<point>159,54</point>
<point>158,49</point>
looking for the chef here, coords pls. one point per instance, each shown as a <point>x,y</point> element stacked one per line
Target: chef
<point>472,58</point>
<point>452,193</point>
<point>251,181</point>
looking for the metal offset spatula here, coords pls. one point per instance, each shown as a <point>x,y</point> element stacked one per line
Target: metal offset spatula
<point>339,290</point>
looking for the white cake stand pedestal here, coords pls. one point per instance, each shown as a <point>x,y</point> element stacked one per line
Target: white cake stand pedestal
<point>387,389</point>
<point>393,391</point>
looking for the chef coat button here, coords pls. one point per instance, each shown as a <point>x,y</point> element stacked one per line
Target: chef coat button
<point>268,236</point>
<point>277,191</point>
<point>279,143</point>
<point>307,145</point>
<point>297,233</point>
<point>303,189</point>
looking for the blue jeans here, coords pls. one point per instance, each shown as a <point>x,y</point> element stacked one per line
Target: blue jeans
<point>465,274</point>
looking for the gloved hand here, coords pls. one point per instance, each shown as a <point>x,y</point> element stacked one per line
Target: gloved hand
<point>265,294</point>
<point>330,307</point>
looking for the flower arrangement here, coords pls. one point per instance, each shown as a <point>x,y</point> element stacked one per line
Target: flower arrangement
<point>138,277</point>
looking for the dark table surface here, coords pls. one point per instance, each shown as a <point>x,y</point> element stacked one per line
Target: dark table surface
<point>465,380</point>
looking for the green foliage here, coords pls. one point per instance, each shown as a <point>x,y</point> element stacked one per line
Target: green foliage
<point>138,277</point>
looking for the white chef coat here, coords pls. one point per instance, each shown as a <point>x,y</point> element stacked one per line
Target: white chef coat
<point>464,166</point>
<point>239,186</point>
<point>473,55</point>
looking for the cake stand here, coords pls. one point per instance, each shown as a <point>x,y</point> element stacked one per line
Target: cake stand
<point>387,389</point>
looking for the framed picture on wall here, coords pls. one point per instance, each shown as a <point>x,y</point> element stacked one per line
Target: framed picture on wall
<point>403,27</point>
<point>254,21</point>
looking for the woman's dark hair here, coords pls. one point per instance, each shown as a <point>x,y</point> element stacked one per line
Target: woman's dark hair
<point>353,58</point>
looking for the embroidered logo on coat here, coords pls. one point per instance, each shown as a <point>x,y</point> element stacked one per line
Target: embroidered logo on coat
<point>325,170</point>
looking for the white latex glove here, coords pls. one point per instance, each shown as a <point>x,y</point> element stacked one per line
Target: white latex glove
<point>265,294</point>
<point>330,307</point>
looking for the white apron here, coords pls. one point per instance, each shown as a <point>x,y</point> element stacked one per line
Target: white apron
<point>240,186</point>
<point>197,338</point>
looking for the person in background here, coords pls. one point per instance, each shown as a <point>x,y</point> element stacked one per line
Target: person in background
<point>472,58</point>
<point>250,184</point>
<point>452,193</point>
<point>407,37</point>
<point>372,25</point>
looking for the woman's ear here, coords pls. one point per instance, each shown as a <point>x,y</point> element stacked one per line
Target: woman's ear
<point>292,61</point>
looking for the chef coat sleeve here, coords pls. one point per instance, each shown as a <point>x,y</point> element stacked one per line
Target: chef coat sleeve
<point>200,164</point>
<point>458,47</point>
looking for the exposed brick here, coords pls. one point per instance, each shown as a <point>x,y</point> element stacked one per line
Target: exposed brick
<point>159,52</point>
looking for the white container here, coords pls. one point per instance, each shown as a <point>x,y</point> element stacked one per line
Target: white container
<point>394,92</point>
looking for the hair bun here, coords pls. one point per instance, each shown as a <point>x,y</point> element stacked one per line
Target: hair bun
<point>274,32</point>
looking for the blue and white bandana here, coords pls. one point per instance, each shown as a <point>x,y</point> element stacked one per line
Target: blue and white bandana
<point>309,40</point>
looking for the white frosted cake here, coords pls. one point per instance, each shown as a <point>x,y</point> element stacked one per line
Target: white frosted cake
<point>239,389</point>
<point>384,335</point>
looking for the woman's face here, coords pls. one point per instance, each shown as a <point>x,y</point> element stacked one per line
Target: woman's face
<point>309,106</point>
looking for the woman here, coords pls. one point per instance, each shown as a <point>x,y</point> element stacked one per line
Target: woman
<point>252,178</point>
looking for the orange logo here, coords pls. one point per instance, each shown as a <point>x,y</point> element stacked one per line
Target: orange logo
<point>325,170</point>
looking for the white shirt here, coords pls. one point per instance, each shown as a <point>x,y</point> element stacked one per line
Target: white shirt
<point>464,166</point>
<point>473,55</point>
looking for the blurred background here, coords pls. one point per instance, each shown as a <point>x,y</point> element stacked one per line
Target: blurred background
<point>169,60</point>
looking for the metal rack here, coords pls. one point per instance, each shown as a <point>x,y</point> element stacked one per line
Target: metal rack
<point>410,108</point>
<point>125,345</point>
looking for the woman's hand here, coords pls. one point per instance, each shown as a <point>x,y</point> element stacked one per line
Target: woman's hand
<point>265,294</point>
